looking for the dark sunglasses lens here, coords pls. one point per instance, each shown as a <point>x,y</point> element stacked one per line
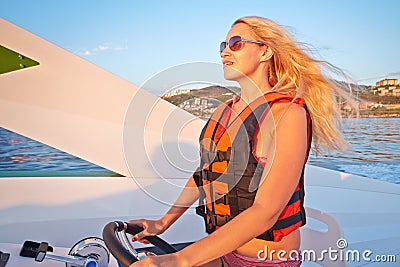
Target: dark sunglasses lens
<point>235,43</point>
<point>222,46</point>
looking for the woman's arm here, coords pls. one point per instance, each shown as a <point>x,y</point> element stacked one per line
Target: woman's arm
<point>280,181</point>
<point>187,197</point>
<point>189,194</point>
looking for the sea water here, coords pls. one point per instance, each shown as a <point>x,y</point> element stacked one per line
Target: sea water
<point>374,153</point>
<point>23,157</point>
<point>374,150</point>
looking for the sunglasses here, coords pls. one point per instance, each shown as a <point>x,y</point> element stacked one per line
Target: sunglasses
<point>236,43</point>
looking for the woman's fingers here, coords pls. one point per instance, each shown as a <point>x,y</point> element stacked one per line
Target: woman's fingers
<point>138,236</point>
<point>149,229</point>
<point>144,241</point>
<point>138,222</point>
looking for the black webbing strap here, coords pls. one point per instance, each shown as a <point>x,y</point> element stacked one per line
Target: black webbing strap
<point>295,197</point>
<point>284,223</point>
<point>4,258</point>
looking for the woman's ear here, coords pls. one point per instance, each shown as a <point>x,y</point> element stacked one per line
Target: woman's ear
<point>266,53</point>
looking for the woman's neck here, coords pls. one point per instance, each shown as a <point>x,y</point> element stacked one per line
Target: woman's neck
<point>251,90</point>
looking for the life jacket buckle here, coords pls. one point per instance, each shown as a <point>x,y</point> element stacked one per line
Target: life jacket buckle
<point>201,210</point>
<point>224,155</point>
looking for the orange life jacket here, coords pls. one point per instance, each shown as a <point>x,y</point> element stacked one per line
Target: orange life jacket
<point>229,174</point>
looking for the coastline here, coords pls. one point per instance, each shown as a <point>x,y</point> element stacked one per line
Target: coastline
<point>393,115</point>
<point>376,114</point>
<point>363,116</point>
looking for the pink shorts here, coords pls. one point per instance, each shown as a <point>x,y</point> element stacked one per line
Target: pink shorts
<point>237,260</point>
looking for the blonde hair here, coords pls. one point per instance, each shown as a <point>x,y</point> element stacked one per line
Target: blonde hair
<point>295,73</point>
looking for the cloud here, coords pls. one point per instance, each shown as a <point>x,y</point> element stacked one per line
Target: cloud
<point>85,53</point>
<point>102,48</point>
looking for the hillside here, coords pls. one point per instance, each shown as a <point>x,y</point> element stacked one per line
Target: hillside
<point>202,102</point>
<point>213,92</point>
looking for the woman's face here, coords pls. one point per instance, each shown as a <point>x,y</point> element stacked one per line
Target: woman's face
<point>244,62</point>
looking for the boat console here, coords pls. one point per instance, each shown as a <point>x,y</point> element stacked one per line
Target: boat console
<point>94,252</point>
<point>89,252</point>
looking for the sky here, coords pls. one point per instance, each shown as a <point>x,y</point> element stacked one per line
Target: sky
<point>137,39</point>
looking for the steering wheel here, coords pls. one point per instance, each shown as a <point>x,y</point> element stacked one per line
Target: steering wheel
<point>114,234</point>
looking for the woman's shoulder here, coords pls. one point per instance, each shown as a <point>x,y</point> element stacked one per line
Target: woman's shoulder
<point>293,110</point>
<point>285,116</point>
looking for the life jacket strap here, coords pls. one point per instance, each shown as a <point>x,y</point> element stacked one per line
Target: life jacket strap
<point>197,177</point>
<point>218,156</point>
<point>212,221</point>
<point>284,223</point>
<point>295,197</point>
<point>209,175</point>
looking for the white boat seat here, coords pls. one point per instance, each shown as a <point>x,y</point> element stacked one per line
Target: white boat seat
<point>321,232</point>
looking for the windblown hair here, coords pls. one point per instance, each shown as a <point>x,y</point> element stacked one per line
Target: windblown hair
<point>297,74</point>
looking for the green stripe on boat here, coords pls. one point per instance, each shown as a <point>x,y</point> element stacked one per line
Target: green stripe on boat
<point>12,61</point>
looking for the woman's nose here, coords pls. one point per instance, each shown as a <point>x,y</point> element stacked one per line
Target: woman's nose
<point>224,53</point>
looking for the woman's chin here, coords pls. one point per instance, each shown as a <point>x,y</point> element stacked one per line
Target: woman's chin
<point>231,74</point>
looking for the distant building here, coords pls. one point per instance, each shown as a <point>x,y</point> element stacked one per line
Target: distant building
<point>389,87</point>
<point>392,82</point>
<point>176,92</point>
<point>204,103</point>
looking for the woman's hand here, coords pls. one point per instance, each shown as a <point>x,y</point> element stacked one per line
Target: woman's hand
<point>168,260</point>
<point>150,228</point>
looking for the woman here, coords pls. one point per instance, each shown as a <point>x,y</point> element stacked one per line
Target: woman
<point>253,152</point>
